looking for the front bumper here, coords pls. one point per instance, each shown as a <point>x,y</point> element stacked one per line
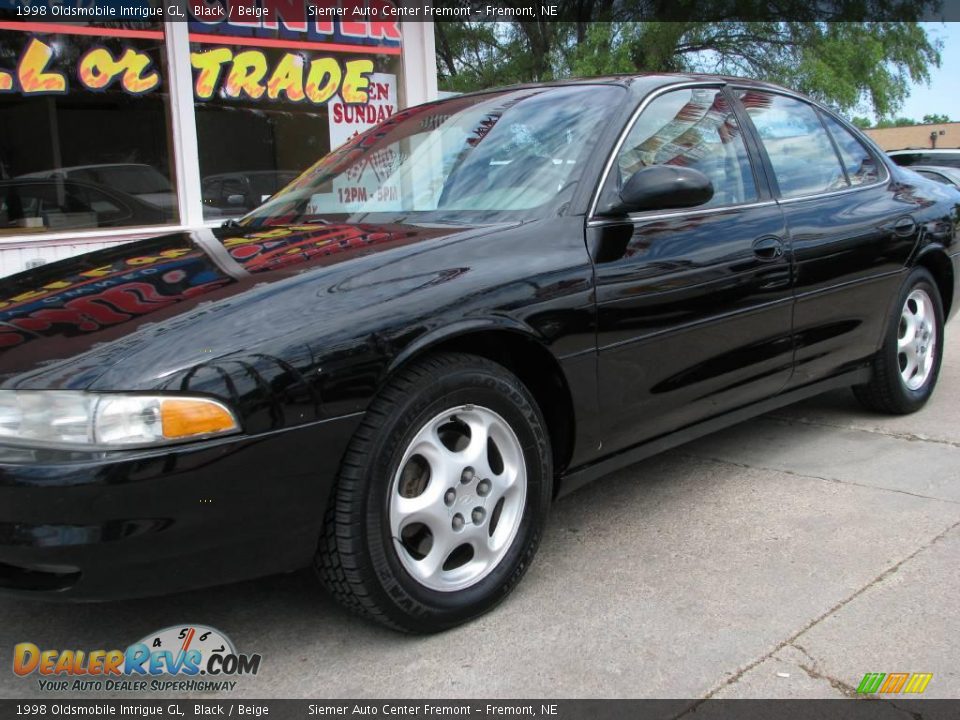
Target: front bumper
<point>145,523</point>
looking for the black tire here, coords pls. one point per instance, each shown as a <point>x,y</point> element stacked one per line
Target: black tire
<point>357,559</point>
<point>886,391</point>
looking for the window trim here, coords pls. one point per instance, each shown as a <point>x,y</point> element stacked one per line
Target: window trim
<point>183,124</point>
<point>682,212</point>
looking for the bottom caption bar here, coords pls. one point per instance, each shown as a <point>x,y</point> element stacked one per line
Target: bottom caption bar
<point>546,709</point>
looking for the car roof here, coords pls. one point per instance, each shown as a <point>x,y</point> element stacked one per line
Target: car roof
<point>72,168</point>
<point>242,173</point>
<point>925,151</point>
<point>640,82</point>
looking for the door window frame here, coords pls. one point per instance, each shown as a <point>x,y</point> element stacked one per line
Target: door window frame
<point>820,111</point>
<point>764,190</point>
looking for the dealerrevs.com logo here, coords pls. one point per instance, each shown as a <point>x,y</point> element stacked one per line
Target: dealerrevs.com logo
<point>188,657</point>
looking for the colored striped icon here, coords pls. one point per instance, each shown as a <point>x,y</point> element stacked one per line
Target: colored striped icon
<point>893,683</point>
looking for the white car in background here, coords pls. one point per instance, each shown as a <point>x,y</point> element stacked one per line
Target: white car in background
<point>942,174</point>
<point>940,157</point>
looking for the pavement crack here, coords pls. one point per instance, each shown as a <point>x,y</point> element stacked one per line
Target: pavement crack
<point>814,672</point>
<point>791,641</point>
<point>910,437</point>
<point>794,473</point>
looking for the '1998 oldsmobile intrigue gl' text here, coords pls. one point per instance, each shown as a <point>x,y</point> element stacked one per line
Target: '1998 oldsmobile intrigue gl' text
<point>391,368</point>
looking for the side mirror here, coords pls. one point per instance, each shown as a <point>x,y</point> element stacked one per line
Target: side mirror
<point>236,200</point>
<point>663,187</point>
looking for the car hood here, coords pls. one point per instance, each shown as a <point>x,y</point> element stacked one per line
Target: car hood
<point>66,324</point>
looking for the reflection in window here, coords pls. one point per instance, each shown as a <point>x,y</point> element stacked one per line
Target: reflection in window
<point>859,163</point>
<point>936,177</point>
<point>692,128</point>
<point>271,111</point>
<point>518,151</point>
<point>84,131</point>
<point>800,151</point>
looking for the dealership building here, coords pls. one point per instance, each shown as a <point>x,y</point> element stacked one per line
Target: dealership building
<point>114,130</point>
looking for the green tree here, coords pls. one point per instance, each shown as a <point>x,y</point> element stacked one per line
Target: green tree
<point>862,122</point>
<point>847,64</point>
<point>896,122</point>
<point>935,119</point>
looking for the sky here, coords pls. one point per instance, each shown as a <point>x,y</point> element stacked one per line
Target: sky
<point>942,96</point>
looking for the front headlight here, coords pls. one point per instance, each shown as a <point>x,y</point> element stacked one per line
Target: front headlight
<point>79,419</point>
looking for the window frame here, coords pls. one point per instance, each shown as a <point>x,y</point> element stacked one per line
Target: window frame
<point>824,116</point>
<point>416,84</point>
<point>606,183</point>
<point>820,112</point>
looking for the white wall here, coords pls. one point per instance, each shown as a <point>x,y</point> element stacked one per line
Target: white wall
<point>15,257</point>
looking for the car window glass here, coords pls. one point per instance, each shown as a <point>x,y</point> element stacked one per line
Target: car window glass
<point>233,186</point>
<point>59,207</point>
<point>950,159</point>
<point>799,148</point>
<point>859,163</point>
<point>933,176</point>
<point>509,154</point>
<point>693,128</point>
<point>211,191</point>
<point>108,210</point>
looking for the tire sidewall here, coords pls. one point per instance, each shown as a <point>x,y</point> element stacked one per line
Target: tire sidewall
<point>914,399</point>
<point>481,386</point>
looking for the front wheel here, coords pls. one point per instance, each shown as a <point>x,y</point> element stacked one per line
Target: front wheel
<point>442,497</point>
<point>906,368</point>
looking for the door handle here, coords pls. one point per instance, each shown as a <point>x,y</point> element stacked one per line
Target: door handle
<point>768,248</point>
<point>905,226</point>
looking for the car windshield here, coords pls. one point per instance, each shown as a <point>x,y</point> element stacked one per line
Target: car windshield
<point>495,157</point>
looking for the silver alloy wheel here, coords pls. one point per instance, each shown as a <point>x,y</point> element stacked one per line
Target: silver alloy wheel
<point>457,499</point>
<point>916,339</point>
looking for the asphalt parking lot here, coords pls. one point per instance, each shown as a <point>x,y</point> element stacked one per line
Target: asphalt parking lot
<point>784,557</point>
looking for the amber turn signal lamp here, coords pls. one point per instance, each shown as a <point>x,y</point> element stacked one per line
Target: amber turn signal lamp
<point>188,418</point>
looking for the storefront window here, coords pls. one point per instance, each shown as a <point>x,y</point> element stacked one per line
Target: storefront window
<point>270,103</point>
<point>85,138</point>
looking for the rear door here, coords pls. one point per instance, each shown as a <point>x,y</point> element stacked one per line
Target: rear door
<point>693,305</point>
<point>851,229</point>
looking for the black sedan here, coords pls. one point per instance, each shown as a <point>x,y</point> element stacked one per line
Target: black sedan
<point>391,368</point>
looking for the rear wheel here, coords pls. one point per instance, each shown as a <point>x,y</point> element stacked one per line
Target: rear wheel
<point>442,496</point>
<point>906,368</point>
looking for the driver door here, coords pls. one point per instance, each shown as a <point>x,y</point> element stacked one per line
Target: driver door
<point>693,305</point>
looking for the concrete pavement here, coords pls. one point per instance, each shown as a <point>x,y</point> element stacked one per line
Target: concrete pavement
<point>784,557</point>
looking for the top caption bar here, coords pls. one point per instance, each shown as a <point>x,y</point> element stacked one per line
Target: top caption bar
<point>293,14</point>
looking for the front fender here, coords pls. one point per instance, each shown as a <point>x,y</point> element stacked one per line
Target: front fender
<point>452,331</point>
